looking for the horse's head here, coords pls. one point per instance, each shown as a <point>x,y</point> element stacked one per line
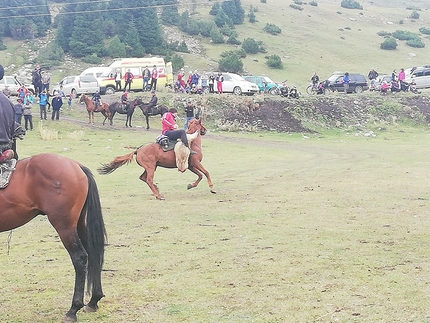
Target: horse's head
<point>82,98</point>
<point>196,125</point>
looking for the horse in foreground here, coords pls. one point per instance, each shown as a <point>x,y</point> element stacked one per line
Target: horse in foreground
<point>103,108</point>
<point>154,111</point>
<point>150,156</point>
<point>66,192</point>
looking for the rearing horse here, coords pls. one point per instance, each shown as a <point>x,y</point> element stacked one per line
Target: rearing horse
<point>103,108</point>
<point>67,194</point>
<point>150,156</point>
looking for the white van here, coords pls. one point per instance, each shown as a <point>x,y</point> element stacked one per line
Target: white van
<point>94,71</point>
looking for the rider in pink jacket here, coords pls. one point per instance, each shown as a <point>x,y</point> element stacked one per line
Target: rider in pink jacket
<point>170,129</point>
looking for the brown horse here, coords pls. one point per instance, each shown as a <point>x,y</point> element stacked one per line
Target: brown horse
<point>103,108</point>
<point>67,194</point>
<point>150,156</point>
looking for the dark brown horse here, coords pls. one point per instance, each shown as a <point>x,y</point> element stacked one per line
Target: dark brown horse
<point>103,108</point>
<point>154,111</point>
<point>117,107</point>
<point>66,192</point>
<point>150,156</point>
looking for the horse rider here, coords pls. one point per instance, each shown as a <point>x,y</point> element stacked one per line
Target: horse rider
<point>170,129</point>
<point>153,102</point>
<point>124,101</point>
<point>96,99</point>
<point>9,129</point>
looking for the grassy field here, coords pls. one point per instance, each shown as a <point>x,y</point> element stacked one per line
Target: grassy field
<point>327,228</point>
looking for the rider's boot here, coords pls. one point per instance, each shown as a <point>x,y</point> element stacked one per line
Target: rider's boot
<point>192,152</point>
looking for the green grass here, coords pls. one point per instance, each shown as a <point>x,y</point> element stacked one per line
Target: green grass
<point>321,228</point>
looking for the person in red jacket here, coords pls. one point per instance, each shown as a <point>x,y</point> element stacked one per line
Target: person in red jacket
<point>170,129</point>
<point>128,77</point>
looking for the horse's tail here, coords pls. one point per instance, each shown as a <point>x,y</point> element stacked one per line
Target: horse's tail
<point>96,232</point>
<point>105,169</point>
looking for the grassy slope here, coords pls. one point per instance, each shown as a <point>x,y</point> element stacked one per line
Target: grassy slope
<point>312,40</point>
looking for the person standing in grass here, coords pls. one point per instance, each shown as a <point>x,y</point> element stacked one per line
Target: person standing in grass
<point>43,101</point>
<point>345,82</point>
<point>56,103</point>
<point>28,118</point>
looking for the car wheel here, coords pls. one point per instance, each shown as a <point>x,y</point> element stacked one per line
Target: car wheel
<point>358,89</point>
<point>110,90</point>
<point>274,91</point>
<point>237,90</point>
<point>74,93</point>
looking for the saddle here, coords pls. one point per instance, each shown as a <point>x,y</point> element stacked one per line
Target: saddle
<point>6,169</point>
<point>165,143</point>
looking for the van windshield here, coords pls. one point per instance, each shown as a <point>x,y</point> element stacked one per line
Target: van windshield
<point>108,73</point>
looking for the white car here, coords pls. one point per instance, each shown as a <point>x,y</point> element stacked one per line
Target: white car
<point>95,71</point>
<point>13,85</point>
<point>77,85</point>
<point>236,84</point>
<point>421,75</point>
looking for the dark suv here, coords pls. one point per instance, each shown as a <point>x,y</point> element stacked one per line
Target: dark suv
<point>357,83</point>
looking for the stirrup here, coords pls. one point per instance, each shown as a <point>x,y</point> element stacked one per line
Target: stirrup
<point>192,152</point>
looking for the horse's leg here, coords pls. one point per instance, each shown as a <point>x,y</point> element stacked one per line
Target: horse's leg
<point>147,121</point>
<point>198,170</point>
<point>111,117</point>
<point>79,258</point>
<point>105,115</point>
<point>148,178</point>
<point>89,116</point>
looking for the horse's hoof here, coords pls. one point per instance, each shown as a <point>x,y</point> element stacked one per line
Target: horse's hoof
<point>213,192</point>
<point>88,309</point>
<point>189,186</point>
<point>68,319</point>
<point>160,198</point>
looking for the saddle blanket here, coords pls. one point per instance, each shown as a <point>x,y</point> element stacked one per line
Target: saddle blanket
<point>6,170</point>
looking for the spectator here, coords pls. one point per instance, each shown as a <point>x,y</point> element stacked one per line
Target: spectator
<point>36,79</point>
<point>219,80</point>
<point>401,77</point>
<point>128,77</point>
<point>146,74</point>
<point>43,100</point>
<point>46,79</point>
<point>395,87</point>
<point>190,78</point>
<point>18,111</point>
<point>211,83</point>
<point>394,75</point>
<point>195,78</point>
<point>413,87</point>
<point>189,111</point>
<point>69,102</point>
<point>28,118</point>
<point>7,91</point>
<point>61,92</point>
<point>22,92</point>
<point>373,75</point>
<point>204,81</point>
<point>118,78</point>
<point>315,80</point>
<point>345,82</point>
<point>154,78</point>
<point>56,103</point>
<point>384,87</point>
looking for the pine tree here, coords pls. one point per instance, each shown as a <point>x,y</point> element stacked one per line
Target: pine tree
<point>234,10</point>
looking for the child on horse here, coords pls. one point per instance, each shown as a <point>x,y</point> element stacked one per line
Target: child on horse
<point>96,99</point>
<point>170,129</point>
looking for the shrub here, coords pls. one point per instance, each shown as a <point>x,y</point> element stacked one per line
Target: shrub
<point>414,15</point>
<point>424,30</point>
<point>216,36</point>
<point>404,35</point>
<point>384,33</point>
<point>233,40</point>
<point>272,29</point>
<point>313,3</point>
<point>250,46</point>
<point>177,62</point>
<point>294,6</point>
<point>263,1</point>
<point>91,59</point>
<point>413,8</point>
<point>351,4</point>
<point>415,42</point>
<point>389,44</point>
<point>299,2</point>
<point>231,63</point>
<point>274,61</point>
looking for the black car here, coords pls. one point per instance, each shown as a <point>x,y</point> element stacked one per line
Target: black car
<point>357,83</point>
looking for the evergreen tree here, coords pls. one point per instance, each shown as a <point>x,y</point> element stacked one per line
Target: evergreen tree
<point>66,23</point>
<point>146,20</point>
<point>215,8</point>
<point>234,9</point>
<point>132,42</point>
<point>216,36</point>
<point>170,15</point>
<point>231,63</point>
<point>115,48</point>
<point>222,19</point>
<point>250,46</point>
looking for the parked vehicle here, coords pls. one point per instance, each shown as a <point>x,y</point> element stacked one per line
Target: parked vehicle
<point>77,85</point>
<point>236,84</point>
<point>264,83</point>
<point>136,66</point>
<point>421,75</point>
<point>94,71</point>
<point>13,85</point>
<point>357,83</point>
<point>380,79</point>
